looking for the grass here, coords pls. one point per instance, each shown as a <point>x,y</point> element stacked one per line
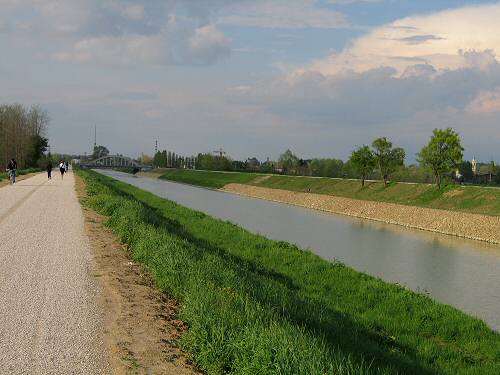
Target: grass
<point>19,172</point>
<point>472,199</point>
<point>214,180</point>
<point>256,306</point>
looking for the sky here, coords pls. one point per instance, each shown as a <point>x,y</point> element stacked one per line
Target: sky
<point>255,77</point>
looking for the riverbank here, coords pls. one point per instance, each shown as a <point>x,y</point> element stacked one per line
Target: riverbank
<point>257,306</point>
<point>468,212</point>
<point>460,224</point>
<point>470,199</point>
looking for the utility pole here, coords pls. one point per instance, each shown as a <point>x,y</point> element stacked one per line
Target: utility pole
<point>95,136</point>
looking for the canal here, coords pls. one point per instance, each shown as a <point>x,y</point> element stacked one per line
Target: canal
<point>462,273</point>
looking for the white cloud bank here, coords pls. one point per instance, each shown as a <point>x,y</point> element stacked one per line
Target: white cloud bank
<point>429,64</point>
<point>443,40</point>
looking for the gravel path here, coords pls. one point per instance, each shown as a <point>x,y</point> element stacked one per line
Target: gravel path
<point>49,319</point>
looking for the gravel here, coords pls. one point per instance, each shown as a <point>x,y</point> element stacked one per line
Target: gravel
<point>50,322</point>
<point>461,224</point>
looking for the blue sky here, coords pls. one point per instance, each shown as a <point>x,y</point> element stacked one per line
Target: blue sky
<point>255,76</point>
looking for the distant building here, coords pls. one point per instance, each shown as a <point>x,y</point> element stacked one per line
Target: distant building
<point>481,177</point>
<point>253,164</point>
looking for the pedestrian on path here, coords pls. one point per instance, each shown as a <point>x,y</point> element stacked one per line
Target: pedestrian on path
<point>62,169</point>
<point>49,170</point>
<point>12,168</point>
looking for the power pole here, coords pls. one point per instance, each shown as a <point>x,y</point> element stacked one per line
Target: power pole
<point>95,136</point>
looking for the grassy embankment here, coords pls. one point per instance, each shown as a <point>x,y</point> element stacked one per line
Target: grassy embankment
<point>471,199</point>
<point>256,306</point>
<point>214,180</point>
<point>19,172</point>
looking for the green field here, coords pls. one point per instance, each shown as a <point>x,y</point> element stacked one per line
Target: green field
<point>256,306</point>
<point>471,199</point>
<point>214,180</point>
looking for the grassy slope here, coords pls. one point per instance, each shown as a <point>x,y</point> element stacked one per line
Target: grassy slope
<point>259,306</point>
<point>208,179</point>
<point>468,199</point>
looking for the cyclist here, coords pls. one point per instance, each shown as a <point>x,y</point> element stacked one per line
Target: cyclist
<point>12,168</point>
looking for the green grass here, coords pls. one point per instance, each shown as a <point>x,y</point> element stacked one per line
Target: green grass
<point>256,306</point>
<point>214,180</point>
<point>472,199</point>
<point>19,172</point>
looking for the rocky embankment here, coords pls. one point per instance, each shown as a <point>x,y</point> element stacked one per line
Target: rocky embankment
<point>473,226</point>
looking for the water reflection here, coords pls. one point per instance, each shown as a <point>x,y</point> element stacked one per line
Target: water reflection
<point>456,271</point>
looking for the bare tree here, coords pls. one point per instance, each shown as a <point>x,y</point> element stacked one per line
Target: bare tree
<point>22,134</point>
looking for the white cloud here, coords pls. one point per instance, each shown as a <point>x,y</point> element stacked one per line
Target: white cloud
<point>486,102</point>
<point>176,44</point>
<point>451,39</point>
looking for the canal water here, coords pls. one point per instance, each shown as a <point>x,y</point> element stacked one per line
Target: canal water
<point>455,271</point>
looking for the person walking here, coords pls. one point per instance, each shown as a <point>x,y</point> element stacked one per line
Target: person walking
<point>12,168</point>
<point>66,166</point>
<point>49,169</point>
<point>62,169</point>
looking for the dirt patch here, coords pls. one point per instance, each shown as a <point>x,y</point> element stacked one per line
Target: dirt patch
<point>141,325</point>
<point>453,193</point>
<point>261,179</point>
<point>461,224</point>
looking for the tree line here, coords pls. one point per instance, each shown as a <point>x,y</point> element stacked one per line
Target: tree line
<point>440,160</point>
<point>23,134</point>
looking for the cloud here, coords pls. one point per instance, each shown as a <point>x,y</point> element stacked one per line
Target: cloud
<point>486,102</point>
<point>116,32</point>
<point>134,11</point>
<point>4,27</point>
<point>292,14</point>
<point>418,39</point>
<point>426,64</point>
<point>445,40</point>
<point>176,44</point>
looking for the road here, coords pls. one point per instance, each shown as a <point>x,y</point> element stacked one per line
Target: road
<point>50,322</point>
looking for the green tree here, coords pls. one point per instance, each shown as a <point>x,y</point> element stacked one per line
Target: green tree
<point>387,158</point>
<point>465,169</point>
<point>363,162</point>
<point>288,161</point>
<point>443,153</point>
<point>39,145</point>
<point>99,152</point>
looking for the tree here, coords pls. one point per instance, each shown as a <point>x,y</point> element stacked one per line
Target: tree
<point>387,159</point>
<point>22,134</point>
<point>99,152</point>
<point>443,153</point>
<point>363,162</point>
<point>465,169</point>
<point>39,145</point>
<point>288,161</point>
